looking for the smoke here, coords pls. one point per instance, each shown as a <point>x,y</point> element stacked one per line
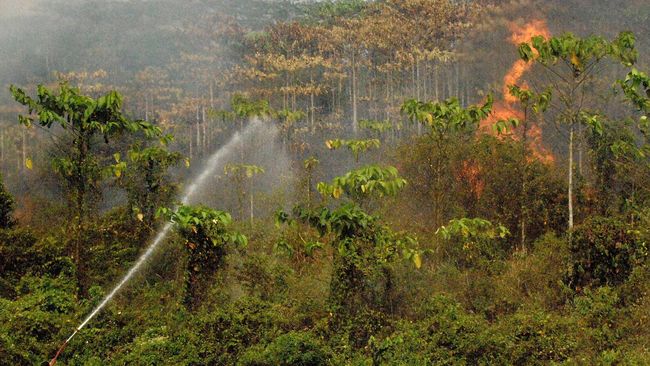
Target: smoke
<point>15,8</point>
<point>260,146</point>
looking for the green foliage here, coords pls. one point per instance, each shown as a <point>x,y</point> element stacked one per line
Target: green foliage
<point>244,107</point>
<point>369,181</point>
<point>361,284</point>
<point>206,238</point>
<point>540,338</point>
<point>617,166</point>
<point>72,110</point>
<point>332,9</point>
<point>636,87</point>
<point>604,251</point>
<point>472,241</point>
<point>262,278</point>
<point>579,53</point>
<point>79,162</point>
<point>529,101</point>
<point>355,146</point>
<point>34,323</point>
<point>21,254</point>
<point>227,332</point>
<point>446,117</point>
<point>243,169</point>
<point>158,345</point>
<point>447,335</point>
<point>599,311</point>
<point>378,127</point>
<point>146,180</point>
<point>294,348</point>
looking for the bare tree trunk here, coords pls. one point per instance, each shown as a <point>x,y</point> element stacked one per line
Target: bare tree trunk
<point>198,133</point>
<point>354,93</point>
<point>457,67</point>
<point>2,149</point>
<point>339,95</point>
<point>425,94</point>
<point>24,146</point>
<point>570,189</point>
<point>387,100</point>
<point>312,109</point>
<point>450,81</point>
<point>285,95</point>
<point>205,135</point>
<point>251,195</point>
<point>436,82</point>
<point>211,95</point>
<point>416,92</point>
<point>190,139</point>
<point>417,78</point>
<point>580,146</point>
<point>524,180</point>
<point>241,147</point>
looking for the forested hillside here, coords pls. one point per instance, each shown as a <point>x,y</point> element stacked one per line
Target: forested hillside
<point>390,182</point>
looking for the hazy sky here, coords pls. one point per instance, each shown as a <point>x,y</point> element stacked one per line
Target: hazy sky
<point>10,8</point>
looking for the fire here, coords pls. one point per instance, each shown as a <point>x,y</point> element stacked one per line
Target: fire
<point>471,173</point>
<point>503,110</point>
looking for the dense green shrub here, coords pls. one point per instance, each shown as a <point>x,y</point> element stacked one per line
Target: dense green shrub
<point>447,335</point>
<point>263,279</point>
<point>225,333</point>
<point>160,346</point>
<point>32,326</point>
<point>540,338</point>
<point>603,251</point>
<point>599,312</point>
<point>21,253</point>
<point>290,349</point>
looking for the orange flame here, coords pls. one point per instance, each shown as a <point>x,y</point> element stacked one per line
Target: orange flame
<point>471,173</point>
<point>503,110</point>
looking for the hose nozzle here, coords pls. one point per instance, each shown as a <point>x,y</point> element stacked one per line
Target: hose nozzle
<point>58,353</point>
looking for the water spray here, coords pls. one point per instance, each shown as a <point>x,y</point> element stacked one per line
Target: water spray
<point>210,167</point>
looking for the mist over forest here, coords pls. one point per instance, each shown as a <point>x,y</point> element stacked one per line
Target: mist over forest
<point>334,182</point>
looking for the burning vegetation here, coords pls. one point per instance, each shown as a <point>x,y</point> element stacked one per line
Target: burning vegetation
<point>509,108</point>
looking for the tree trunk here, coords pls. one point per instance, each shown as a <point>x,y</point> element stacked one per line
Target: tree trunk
<point>580,146</point>
<point>241,140</point>
<point>205,135</point>
<point>198,133</point>
<point>251,196</point>
<point>524,180</point>
<point>211,96</point>
<point>570,189</point>
<point>2,150</point>
<point>190,139</point>
<point>354,93</point>
<point>436,82</point>
<point>457,67</point>
<point>81,192</point>
<point>24,147</point>
<point>312,109</point>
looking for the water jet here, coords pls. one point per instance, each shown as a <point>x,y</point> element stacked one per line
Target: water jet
<point>209,169</point>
